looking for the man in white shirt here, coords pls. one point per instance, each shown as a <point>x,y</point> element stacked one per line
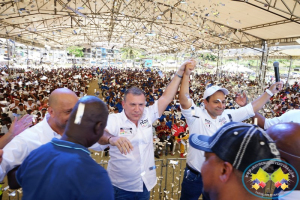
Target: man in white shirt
<point>30,104</point>
<point>206,120</point>
<point>133,174</point>
<point>21,110</point>
<point>14,105</point>
<point>287,139</point>
<point>61,103</point>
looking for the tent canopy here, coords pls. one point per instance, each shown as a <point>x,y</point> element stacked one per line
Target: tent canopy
<point>156,25</point>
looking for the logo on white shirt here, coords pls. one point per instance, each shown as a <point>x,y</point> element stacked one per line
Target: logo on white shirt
<point>222,121</point>
<point>207,123</point>
<point>144,123</point>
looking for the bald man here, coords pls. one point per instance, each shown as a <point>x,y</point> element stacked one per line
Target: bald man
<point>287,139</point>
<point>61,103</point>
<point>65,164</point>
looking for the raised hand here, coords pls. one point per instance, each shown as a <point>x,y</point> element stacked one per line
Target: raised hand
<point>276,87</point>
<point>241,100</point>
<point>20,125</point>
<point>187,66</point>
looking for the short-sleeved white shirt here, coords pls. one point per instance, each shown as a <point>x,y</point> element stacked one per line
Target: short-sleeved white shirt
<point>205,125</point>
<point>30,106</point>
<point>290,116</point>
<point>129,172</point>
<point>15,152</point>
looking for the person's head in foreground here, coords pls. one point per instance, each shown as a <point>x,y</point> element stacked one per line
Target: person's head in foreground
<point>65,164</point>
<point>87,121</point>
<point>287,139</point>
<point>228,153</point>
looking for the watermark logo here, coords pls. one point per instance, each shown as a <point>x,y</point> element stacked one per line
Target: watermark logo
<point>270,178</point>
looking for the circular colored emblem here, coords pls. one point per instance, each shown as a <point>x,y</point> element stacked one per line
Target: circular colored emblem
<point>270,178</point>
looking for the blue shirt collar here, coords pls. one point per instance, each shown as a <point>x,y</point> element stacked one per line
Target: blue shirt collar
<point>70,145</point>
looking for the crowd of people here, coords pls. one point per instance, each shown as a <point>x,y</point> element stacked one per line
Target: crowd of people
<point>27,91</point>
<point>114,82</point>
<point>141,107</point>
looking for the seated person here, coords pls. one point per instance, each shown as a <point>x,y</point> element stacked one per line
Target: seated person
<point>164,134</point>
<point>179,133</point>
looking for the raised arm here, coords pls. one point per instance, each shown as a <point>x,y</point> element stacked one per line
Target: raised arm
<point>15,129</point>
<point>262,100</point>
<point>184,90</point>
<point>172,88</point>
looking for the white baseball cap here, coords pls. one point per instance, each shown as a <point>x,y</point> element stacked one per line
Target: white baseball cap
<point>213,89</point>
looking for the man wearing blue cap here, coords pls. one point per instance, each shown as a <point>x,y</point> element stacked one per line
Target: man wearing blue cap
<point>206,120</point>
<point>228,153</point>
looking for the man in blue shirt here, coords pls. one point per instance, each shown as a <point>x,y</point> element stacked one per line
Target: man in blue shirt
<point>63,169</point>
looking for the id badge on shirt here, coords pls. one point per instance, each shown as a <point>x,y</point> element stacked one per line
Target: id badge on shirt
<point>125,131</point>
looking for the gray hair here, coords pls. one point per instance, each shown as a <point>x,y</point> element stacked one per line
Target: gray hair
<point>134,91</point>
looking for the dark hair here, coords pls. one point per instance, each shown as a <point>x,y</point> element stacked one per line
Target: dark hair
<point>134,91</point>
<point>207,98</point>
<point>7,119</point>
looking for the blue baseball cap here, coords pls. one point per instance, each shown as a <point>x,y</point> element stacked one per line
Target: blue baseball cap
<point>238,143</point>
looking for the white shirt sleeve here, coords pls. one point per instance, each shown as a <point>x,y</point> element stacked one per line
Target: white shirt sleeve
<point>271,122</point>
<point>15,152</point>
<point>187,113</point>
<point>111,124</point>
<point>290,116</point>
<point>242,113</point>
<point>153,112</point>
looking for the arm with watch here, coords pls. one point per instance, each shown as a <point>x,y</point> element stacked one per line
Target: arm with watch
<point>249,110</point>
<point>123,144</point>
<point>258,103</point>
<point>172,88</point>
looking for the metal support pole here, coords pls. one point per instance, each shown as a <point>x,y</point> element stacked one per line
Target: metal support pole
<point>27,57</point>
<point>257,69</point>
<point>291,62</point>
<point>8,56</point>
<point>263,64</point>
<point>217,71</point>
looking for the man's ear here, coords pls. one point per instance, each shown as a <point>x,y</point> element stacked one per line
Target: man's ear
<point>226,171</point>
<point>50,111</point>
<point>205,102</point>
<point>98,128</point>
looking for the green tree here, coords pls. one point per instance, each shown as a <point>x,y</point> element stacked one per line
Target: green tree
<point>131,53</point>
<point>76,51</point>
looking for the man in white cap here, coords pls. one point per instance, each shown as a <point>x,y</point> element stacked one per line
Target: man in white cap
<point>29,104</point>
<point>206,120</point>
<point>14,105</point>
